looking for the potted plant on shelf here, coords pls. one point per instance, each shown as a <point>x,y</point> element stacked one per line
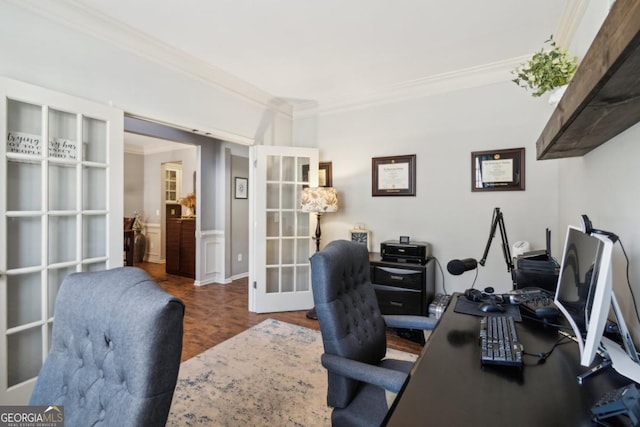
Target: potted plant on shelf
<point>546,70</point>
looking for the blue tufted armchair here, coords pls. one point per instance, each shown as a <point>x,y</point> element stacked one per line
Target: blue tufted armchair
<point>115,350</point>
<point>354,336</point>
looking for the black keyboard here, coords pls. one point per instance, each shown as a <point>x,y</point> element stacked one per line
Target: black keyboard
<point>499,341</point>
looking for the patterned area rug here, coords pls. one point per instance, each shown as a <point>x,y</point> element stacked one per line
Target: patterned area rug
<point>269,375</point>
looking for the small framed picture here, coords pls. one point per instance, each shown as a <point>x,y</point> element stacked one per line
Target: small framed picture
<point>325,174</point>
<point>405,239</point>
<point>362,236</point>
<point>242,190</point>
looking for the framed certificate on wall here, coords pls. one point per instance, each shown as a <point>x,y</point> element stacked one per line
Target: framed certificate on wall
<point>393,176</point>
<point>497,170</point>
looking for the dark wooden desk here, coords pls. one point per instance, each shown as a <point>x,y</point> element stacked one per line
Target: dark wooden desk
<point>449,387</point>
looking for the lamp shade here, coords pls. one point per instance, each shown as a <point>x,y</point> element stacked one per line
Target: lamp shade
<point>319,199</point>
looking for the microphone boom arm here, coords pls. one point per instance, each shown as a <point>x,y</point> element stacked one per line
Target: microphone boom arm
<point>498,221</point>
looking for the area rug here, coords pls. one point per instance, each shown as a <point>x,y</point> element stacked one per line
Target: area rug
<point>269,375</point>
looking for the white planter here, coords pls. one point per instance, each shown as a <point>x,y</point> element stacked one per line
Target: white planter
<point>556,95</point>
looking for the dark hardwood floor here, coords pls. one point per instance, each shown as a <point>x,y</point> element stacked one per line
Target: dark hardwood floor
<point>215,313</point>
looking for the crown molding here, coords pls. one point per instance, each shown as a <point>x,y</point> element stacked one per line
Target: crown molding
<point>160,148</point>
<point>476,76</point>
<point>87,20</point>
<point>130,149</point>
<point>570,20</point>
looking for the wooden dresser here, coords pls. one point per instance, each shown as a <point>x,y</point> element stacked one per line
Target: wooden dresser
<point>181,247</point>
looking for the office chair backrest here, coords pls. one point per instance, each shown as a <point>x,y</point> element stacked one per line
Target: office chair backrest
<point>350,320</point>
<point>115,350</point>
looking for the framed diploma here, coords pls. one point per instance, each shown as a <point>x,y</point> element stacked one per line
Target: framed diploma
<point>497,170</point>
<point>393,176</point>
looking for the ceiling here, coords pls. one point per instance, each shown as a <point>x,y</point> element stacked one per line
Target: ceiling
<point>331,53</point>
<point>324,50</point>
<point>142,144</point>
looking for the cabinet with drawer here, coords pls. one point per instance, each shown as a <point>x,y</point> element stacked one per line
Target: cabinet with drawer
<point>403,288</point>
<point>181,247</point>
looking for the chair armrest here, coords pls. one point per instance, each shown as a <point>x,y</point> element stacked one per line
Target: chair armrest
<point>410,322</point>
<point>387,379</point>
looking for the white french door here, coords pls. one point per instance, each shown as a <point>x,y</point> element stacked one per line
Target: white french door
<point>60,212</point>
<point>279,271</point>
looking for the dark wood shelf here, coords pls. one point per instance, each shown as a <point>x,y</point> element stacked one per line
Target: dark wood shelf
<point>603,99</point>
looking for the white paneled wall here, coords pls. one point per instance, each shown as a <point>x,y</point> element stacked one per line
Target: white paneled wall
<point>153,252</point>
<point>212,263</point>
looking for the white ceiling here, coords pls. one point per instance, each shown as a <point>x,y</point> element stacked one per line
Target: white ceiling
<point>142,144</point>
<point>332,52</point>
<point>327,49</point>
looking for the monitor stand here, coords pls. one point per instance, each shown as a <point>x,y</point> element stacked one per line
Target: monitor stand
<point>624,360</point>
<point>629,346</point>
<point>620,360</point>
<point>599,367</point>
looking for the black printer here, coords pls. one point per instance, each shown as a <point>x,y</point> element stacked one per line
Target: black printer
<point>414,252</point>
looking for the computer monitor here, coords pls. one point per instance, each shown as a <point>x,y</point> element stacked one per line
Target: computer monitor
<point>584,288</point>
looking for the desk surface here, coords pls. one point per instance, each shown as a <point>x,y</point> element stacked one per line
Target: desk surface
<point>448,385</point>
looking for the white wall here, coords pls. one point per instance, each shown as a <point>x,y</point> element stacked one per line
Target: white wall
<point>442,131</point>
<point>239,236</point>
<point>604,185</point>
<point>133,184</point>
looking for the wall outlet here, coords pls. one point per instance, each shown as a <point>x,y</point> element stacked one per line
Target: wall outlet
<point>239,257</point>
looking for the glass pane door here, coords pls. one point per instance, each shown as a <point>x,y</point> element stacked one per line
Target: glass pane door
<point>55,170</point>
<point>281,270</point>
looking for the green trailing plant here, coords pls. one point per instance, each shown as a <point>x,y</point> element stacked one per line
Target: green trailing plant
<point>546,70</point>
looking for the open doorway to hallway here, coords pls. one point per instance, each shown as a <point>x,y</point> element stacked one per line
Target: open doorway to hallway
<point>222,220</point>
<point>158,173</point>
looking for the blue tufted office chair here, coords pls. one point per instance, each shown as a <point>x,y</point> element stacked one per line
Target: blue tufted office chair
<point>354,336</point>
<point>115,350</point>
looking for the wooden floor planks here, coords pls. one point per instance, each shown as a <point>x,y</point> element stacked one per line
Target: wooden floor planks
<point>215,313</point>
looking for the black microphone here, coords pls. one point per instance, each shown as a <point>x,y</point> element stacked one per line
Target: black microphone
<point>459,266</point>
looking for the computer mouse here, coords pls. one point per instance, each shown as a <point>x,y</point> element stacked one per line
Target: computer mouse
<point>489,307</point>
